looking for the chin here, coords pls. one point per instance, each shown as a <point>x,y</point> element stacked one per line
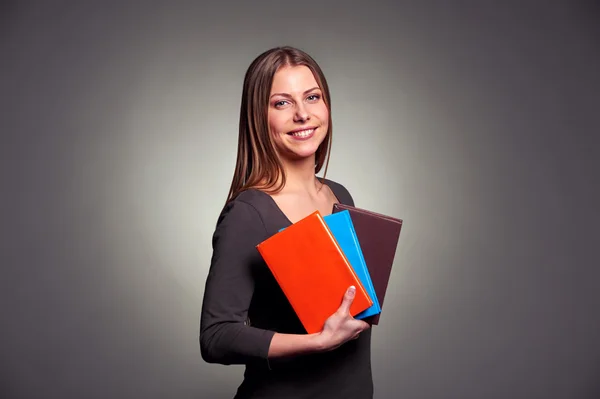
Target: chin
<point>295,155</point>
<point>305,150</point>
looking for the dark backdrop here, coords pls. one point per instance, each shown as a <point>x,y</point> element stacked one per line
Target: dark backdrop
<point>475,122</point>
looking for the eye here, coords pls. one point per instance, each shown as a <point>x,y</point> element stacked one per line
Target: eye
<point>279,104</point>
<point>314,97</point>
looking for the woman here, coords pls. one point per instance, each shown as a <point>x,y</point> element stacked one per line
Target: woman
<point>284,140</point>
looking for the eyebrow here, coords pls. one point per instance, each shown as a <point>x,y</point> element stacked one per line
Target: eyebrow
<point>287,95</point>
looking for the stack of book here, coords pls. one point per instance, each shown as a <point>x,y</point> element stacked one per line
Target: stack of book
<point>316,259</point>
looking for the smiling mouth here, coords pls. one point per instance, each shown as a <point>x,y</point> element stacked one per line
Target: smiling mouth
<point>303,133</point>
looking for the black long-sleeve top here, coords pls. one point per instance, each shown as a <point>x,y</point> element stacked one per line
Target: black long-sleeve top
<point>243,307</point>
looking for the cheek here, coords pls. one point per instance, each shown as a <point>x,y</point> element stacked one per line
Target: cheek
<point>322,112</point>
<point>276,123</point>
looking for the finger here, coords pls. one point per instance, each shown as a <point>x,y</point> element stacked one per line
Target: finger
<point>364,325</point>
<point>360,326</point>
<point>347,301</point>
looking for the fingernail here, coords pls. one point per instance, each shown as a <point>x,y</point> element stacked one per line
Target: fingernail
<point>352,290</point>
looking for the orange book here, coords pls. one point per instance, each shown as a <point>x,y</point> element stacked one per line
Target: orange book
<point>312,271</point>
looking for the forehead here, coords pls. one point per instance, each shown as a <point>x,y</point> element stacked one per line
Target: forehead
<point>293,79</point>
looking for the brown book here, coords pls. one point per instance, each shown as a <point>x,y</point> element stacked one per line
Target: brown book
<point>378,236</point>
<point>312,271</point>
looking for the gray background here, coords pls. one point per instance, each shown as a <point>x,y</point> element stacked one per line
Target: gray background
<point>472,121</point>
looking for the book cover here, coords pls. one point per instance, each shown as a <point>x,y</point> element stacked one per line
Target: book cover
<point>312,271</point>
<point>378,236</point>
<point>343,230</point>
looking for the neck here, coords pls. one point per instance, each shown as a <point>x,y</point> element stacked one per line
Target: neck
<point>300,176</point>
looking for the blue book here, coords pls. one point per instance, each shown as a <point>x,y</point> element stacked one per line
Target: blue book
<point>341,226</point>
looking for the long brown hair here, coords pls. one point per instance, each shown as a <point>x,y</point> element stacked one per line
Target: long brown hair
<point>257,163</point>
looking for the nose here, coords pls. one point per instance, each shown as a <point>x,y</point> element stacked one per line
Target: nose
<point>301,114</point>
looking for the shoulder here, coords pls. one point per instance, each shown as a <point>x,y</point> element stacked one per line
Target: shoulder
<point>249,205</point>
<point>241,221</point>
<point>340,191</point>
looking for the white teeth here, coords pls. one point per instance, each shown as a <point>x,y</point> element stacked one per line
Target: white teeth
<point>303,133</point>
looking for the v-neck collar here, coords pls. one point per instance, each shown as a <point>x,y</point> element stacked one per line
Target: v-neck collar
<point>280,211</point>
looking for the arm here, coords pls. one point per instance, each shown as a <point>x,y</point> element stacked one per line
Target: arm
<point>224,336</point>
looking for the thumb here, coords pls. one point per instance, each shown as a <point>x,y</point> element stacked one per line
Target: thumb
<point>348,298</point>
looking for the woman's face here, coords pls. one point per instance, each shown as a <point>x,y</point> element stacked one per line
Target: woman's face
<point>298,117</point>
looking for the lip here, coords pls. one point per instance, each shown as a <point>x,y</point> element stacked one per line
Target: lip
<point>302,128</point>
<point>298,138</point>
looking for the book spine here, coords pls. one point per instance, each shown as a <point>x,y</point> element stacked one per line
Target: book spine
<point>361,258</point>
